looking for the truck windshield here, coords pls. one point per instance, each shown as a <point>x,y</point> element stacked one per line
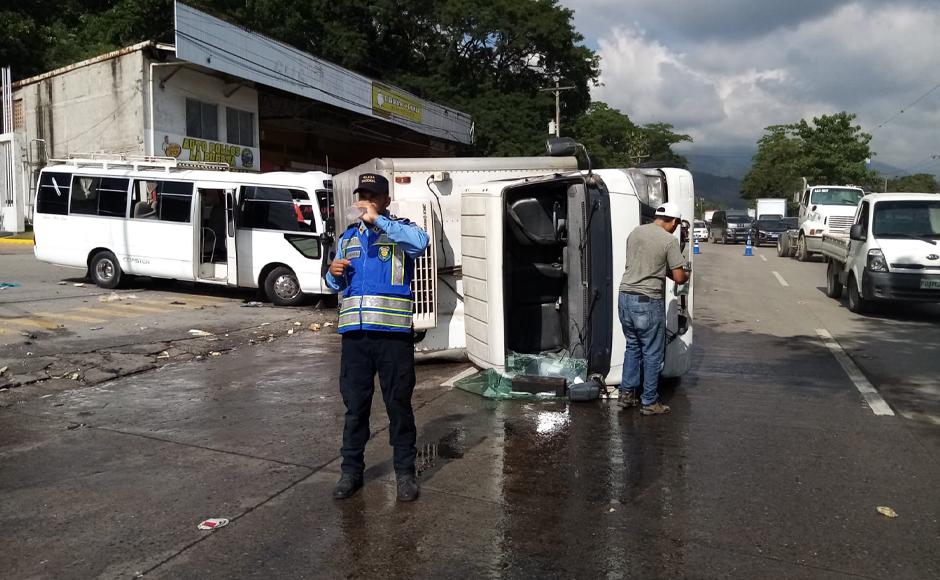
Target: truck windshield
<point>836,196</point>
<point>910,218</point>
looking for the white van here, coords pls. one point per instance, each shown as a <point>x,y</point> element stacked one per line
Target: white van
<point>154,218</point>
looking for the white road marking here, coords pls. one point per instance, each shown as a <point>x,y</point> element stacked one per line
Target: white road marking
<point>780,279</point>
<point>868,391</point>
<point>462,374</point>
<point>762,257</point>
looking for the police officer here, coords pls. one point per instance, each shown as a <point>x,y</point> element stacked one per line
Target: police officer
<point>372,270</point>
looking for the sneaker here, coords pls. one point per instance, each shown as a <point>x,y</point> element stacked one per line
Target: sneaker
<point>407,487</point>
<point>627,399</point>
<point>656,408</point>
<point>347,486</point>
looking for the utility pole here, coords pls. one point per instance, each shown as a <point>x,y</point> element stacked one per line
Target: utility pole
<point>557,89</point>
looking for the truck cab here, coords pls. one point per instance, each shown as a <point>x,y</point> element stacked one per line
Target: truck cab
<point>824,209</point>
<point>891,253</point>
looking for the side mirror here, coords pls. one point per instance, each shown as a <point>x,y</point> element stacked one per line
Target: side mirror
<point>561,147</point>
<point>857,233</point>
<point>813,208</point>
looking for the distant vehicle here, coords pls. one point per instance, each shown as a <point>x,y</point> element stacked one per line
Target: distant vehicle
<point>771,206</point>
<point>699,230</point>
<point>729,226</point>
<point>824,209</point>
<point>892,252</point>
<point>767,231</point>
<point>153,217</point>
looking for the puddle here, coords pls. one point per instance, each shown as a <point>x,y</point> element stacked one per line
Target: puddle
<point>449,447</point>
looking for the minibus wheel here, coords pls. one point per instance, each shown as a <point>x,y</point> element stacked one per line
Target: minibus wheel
<point>282,287</point>
<point>105,270</point>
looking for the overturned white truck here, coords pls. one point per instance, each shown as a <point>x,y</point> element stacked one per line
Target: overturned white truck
<point>527,253</point>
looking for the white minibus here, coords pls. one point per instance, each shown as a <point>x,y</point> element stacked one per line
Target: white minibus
<point>155,218</point>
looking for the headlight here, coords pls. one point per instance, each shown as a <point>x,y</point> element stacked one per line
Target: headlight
<point>876,261</point>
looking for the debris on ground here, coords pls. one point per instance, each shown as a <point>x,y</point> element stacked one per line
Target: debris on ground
<point>8,285</point>
<point>178,303</point>
<point>4,369</point>
<point>79,284</point>
<point>28,335</point>
<point>215,353</point>
<point>886,511</point>
<point>74,376</point>
<point>327,324</point>
<point>314,327</point>
<point>297,323</point>
<point>252,304</point>
<point>212,523</point>
<point>115,297</point>
<point>29,354</point>
<point>63,283</point>
<point>74,426</point>
<point>96,328</point>
<point>163,354</point>
<point>197,332</point>
<point>290,331</point>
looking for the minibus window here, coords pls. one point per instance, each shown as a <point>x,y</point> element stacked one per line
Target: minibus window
<point>52,196</point>
<point>168,201</point>
<point>100,196</point>
<point>273,208</point>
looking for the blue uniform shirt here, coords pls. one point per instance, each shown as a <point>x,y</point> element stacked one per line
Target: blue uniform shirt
<point>376,287</point>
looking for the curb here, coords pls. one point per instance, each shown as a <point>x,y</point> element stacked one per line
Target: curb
<point>17,241</point>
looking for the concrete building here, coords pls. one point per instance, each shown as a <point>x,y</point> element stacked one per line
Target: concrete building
<point>219,94</point>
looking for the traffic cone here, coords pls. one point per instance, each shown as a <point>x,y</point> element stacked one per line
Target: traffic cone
<point>748,249</point>
<point>695,248</point>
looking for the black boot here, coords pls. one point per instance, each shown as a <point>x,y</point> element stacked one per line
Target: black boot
<point>347,485</point>
<point>407,487</point>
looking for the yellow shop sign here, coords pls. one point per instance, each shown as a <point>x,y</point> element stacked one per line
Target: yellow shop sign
<point>387,102</point>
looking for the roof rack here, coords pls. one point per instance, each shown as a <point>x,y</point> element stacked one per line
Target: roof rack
<point>136,162</point>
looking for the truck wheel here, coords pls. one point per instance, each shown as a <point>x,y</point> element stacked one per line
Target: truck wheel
<point>783,247</point>
<point>105,270</point>
<point>857,304</point>
<point>282,287</point>
<point>802,254</point>
<point>833,286</point>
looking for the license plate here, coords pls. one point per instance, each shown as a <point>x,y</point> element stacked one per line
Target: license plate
<point>930,284</point>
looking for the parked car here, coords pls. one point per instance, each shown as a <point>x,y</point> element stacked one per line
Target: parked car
<point>729,226</point>
<point>767,231</point>
<point>699,231</point>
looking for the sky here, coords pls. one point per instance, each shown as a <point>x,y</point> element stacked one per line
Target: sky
<point>722,70</point>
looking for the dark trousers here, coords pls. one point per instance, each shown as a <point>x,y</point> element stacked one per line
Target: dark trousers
<point>391,355</point>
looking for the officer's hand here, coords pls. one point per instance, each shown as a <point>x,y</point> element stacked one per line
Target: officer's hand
<point>338,266</point>
<point>371,212</point>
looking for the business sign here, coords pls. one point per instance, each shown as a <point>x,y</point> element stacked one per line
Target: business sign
<point>215,44</point>
<point>387,102</point>
<point>205,151</point>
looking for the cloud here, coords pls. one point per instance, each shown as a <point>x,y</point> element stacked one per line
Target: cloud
<point>668,61</point>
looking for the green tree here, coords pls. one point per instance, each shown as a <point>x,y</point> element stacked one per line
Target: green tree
<point>917,183</point>
<point>613,140</point>
<point>830,149</point>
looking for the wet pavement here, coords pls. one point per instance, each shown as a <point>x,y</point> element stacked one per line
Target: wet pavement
<point>770,466</point>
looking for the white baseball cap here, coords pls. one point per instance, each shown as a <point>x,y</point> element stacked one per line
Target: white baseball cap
<point>669,210</point>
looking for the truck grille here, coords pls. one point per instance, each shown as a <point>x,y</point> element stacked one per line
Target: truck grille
<point>840,225</point>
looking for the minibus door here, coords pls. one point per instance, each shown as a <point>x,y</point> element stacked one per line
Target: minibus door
<point>230,244</point>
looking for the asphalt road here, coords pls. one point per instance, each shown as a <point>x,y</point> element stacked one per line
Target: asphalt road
<point>771,465</point>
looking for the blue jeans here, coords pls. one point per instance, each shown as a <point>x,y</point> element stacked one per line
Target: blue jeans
<point>644,326</point>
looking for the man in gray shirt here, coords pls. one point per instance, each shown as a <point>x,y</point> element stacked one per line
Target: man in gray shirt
<point>652,254</point>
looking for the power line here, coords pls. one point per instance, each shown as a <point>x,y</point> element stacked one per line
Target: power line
<point>901,112</point>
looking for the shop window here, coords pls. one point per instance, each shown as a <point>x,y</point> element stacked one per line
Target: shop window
<point>99,196</point>
<point>52,195</point>
<point>240,127</point>
<point>169,201</point>
<point>273,208</point>
<point>202,120</point>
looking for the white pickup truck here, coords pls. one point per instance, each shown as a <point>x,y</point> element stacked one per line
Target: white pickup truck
<point>892,252</point>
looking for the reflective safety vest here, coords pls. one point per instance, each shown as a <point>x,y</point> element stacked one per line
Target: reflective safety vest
<point>378,294</point>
